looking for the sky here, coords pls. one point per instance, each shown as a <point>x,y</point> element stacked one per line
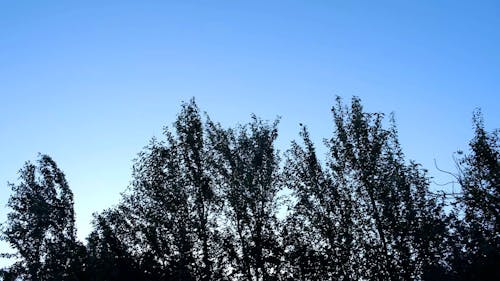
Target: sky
<point>91,82</point>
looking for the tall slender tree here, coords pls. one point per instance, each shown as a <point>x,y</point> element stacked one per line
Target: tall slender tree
<point>195,166</point>
<point>319,230</point>
<point>41,224</point>
<point>247,167</point>
<point>171,205</point>
<point>402,225</point>
<point>155,214</point>
<point>477,248</point>
<point>368,214</point>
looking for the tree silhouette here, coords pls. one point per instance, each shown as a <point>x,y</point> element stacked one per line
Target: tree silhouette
<point>247,167</point>
<point>195,164</point>
<point>477,248</point>
<point>169,210</point>
<point>318,233</point>
<point>206,204</point>
<point>368,214</point>
<point>40,226</point>
<point>401,223</point>
<point>108,258</point>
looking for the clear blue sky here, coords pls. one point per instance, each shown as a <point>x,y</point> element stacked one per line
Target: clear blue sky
<point>90,82</point>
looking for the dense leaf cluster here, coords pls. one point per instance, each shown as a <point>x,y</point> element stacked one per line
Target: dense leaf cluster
<point>214,203</point>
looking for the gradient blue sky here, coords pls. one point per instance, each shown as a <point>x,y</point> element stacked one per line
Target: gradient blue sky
<point>90,82</point>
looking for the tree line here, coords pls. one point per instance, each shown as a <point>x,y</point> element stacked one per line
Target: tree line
<point>214,203</point>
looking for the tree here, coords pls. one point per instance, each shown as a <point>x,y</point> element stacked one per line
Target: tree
<point>204,205</point>
<point>401,223</point>
<point>169,211</point>
<point>155,214</point>
<point>368,214</point>
<point>108,258</point>
<point>319,230</point>
<point>41,225</point>
<point>247,168</point>
<point>195,163</point>
<point>477,251</point>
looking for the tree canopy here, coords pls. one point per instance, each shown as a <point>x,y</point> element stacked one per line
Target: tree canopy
<point>207,202</point>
